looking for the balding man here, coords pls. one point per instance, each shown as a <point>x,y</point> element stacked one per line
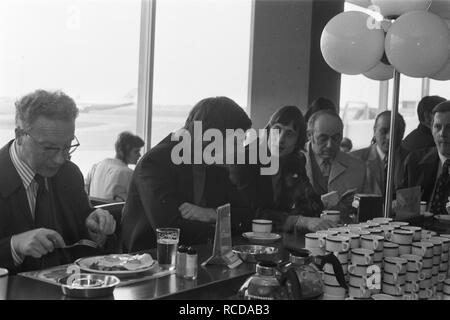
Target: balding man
<point>327,167</point>
<point>43,205</point>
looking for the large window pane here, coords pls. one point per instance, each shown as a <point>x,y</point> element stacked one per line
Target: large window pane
<point>201,50</point>
<point>87,48</point>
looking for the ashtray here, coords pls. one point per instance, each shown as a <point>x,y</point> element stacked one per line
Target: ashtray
<point>255,253</point>
<point>88,285</point>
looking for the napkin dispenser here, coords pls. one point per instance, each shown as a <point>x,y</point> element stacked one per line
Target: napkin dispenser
<point>368,206</point>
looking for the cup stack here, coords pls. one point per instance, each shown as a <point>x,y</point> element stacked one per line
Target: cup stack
<point>413,274</point>
<point>394,276</point>
<point>446,290</point>
<point>338,245</point>
<point>443,266</point>
<point>404,239</point>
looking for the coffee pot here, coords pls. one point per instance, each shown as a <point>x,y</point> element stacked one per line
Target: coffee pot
<point>300,278</point>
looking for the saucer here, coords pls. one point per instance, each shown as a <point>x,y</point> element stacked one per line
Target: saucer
<point>261,238</point>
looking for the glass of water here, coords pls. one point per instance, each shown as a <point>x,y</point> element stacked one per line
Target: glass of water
<point>167,245</point>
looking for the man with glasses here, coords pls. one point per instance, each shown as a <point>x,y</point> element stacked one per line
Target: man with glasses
<point>43,205</point>
<point>327,167</point>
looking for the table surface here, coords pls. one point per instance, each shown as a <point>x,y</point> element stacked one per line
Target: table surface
<point>213,281</point>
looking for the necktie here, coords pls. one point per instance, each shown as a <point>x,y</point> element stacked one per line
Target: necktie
<point>44,218</point>
<point>440,193</point>
<point>385,165</point>
<point>325,168</point>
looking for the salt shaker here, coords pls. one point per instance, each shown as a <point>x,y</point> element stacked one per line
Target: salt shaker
<point>181,261</point>
<point>191,264</point>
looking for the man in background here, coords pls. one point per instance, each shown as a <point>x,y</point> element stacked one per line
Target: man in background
<point>110,178</point>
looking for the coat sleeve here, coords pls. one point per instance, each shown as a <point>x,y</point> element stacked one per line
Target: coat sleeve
<point>156,185</point>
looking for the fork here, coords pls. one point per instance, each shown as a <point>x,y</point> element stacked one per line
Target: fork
<point>82,242</point>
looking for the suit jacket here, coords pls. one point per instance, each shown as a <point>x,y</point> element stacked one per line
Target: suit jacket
<point>421,169</point>
<point>375,179</point>
<point>158,187</point>
<point>72,209</point>
<point>346,172</point>
<point>419,138</point>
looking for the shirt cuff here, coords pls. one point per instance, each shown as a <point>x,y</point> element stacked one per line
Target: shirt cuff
<point>18,260</point>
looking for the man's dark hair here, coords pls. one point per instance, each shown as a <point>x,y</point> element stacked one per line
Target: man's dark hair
<point>319,104</point>
<point>426,105</point>
<point>218,113</point>
<point>441,107</point>
<point>125,142</point>
<point>290,115</point>
<point>318,114</point>
<point>400,125</point>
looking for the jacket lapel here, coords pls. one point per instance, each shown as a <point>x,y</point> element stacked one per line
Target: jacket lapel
<point>11,183</point>
<point>338,167</point>
<point>308,165</point>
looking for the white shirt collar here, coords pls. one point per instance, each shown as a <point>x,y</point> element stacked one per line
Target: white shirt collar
<point>380,152</point>
<point>443,158</point>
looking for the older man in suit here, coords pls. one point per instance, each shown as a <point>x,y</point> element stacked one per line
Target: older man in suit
<point>376,156</point>
<point>327,167</point>
<point>43,204</point>
<point>165,192</point>
<point>429,169</point>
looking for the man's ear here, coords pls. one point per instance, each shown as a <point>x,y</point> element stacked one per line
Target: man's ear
<point>18,134</point>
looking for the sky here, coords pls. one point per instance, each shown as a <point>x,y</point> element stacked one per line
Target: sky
<point>90,48</point>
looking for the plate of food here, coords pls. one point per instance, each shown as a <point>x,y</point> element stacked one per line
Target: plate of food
<point>117,264</point>
<point>261,238</point>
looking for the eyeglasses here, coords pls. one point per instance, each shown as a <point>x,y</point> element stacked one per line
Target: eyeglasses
<point>52,151</point>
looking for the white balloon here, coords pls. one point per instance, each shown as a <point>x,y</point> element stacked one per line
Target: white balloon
<point>349,46</point>
<point>443,74</point>
<point>399,7</point>
<point>441,8</point>
<point>417,44</point>
<point>361,3</point>
<point>381,72</point>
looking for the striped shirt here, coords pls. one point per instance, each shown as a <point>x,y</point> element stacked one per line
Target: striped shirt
<point>26,174</point>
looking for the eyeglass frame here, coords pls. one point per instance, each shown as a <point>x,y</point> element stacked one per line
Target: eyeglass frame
<point>55,149</point>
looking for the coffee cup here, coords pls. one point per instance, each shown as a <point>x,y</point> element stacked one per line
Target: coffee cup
<point>443,267</point>
<point>358,292</point>
<point>417,232</point>
<point>428,272</point>
<point>401,236</point>
<point>377,232</point>
<point>412,286</point>
<point>421,248</point>
<point>362,256</point>
<point>404,249</point>
<point>337,243</point>
<point>427,262</point>
<point>426,283</point>
<point>313,240</point>
<point>372,242</point>
<point>390,249</point>
<point>326,233</point>
<point>332,215</point>
<point>414,262</point>
<point>354,239</point>
<point>357,269</point>
<point>387,229</point>
<point>445,243</point>
<point>392,289</point>
<point>342,256</point>
<point>437,245</point>
<point>357,281</point>
<point>394,278</point>
<point>437,260</point>
<point>415,276</point>
<point>378,256</point>
<point>427,234</point>
<point>445,257</point>
<point>395,265</point>
<point>261,226</point>
<point>446,287</point>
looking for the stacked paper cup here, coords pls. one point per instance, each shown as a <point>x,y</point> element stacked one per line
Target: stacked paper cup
<point>414,263</point>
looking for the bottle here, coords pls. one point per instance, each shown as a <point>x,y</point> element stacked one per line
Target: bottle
<point>180,268</point>
<point>191,264</point>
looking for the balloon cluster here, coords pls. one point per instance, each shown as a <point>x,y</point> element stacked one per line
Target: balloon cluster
<point>413,38</point>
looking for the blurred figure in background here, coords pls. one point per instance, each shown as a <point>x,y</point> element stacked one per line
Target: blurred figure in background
<point>346,145</point>
<point>109,179</point>
<point>319,104</point>
<point>421,137</point>
<point>376,155</point>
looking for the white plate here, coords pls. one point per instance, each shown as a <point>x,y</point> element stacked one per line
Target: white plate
<point>85,265</point>
<point>258,238</point>
<point>443,218</point>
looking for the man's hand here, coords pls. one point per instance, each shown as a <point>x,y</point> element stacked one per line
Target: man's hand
<point>37,242</point>
<point>192,212</point>
<point>316,224</point>
<point>100,223</point>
